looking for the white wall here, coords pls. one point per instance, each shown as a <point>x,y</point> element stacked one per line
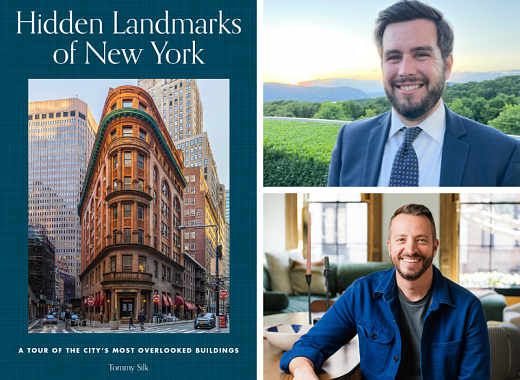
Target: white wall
<point>274,223</point>
<point>391,202</point>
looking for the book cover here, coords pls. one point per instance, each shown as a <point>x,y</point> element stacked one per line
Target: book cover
<point>84,52</point>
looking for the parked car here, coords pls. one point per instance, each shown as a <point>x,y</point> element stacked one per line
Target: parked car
<point>205,320</point>
<point>62,316</point>
<point>49,319</point>
<point>77,320</point>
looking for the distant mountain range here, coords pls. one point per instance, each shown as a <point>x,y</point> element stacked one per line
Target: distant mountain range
<point>281,91</point>
<point>339,89</point>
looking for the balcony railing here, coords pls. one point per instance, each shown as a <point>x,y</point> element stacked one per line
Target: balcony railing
<point>127,275</point>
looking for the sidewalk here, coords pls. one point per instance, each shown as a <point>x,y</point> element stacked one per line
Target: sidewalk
<point>34,323</point>
<point>105,326</point>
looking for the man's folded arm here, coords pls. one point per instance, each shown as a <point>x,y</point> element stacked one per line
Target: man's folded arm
<point>335,161</point>
<point>475,356</point>
<point>336,328</point>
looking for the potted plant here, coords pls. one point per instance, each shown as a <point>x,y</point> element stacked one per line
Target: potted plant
<point>114,322</point>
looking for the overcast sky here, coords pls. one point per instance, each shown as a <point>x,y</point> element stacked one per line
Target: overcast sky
<point>214,94</point>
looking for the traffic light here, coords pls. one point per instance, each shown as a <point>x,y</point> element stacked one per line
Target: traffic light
<point>219,251</point>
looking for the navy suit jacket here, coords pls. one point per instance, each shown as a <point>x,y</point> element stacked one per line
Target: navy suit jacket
<point>473,154</point>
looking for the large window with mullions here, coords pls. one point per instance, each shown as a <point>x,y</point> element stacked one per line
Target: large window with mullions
<point>338,227</point>
<point>489,241</point>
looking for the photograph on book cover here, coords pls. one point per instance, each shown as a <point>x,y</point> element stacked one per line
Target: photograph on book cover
<point>127,210</point>
<point>129,216</point>
<point>334,303</point>
<point>342,80</point>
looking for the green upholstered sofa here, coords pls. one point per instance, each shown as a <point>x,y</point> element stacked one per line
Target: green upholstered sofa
<point>494,305</point>
<point>340,279</point>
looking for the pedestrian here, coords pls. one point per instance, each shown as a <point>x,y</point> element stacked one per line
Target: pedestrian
<point>131,321</point>
<point>101,317</point>
<point>141,320</point>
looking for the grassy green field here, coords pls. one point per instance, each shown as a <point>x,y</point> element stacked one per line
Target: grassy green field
<point>297,153</point>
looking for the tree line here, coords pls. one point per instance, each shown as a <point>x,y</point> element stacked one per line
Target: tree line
<point>492,102</point>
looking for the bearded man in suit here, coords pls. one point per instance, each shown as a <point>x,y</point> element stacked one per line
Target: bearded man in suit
<point>421,142</point>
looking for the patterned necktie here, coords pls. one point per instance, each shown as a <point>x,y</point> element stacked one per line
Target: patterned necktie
<point>405,169</point>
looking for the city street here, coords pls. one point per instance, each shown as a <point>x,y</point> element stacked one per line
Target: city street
<point>103,328</point>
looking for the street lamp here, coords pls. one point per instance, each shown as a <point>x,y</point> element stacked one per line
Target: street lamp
<point>218,254</point>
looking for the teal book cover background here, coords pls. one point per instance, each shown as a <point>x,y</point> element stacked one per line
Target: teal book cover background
<point>26,56</point>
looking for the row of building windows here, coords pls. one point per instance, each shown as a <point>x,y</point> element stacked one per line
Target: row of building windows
<point>192,157</point>
<point>127,184</point>
<point>188,246</point>
<point>127,160</point>
<point>187,212</point>
<point>191,142</point>
<point>191,165</point>
<point>32,126</point>
<point>129,103</point>
<point>128,132</point>
<point>127,211</point>
<point>187,201</point>
<point>53,115</point>
<point>173,87</point>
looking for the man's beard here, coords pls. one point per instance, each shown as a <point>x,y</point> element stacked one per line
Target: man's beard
<point>426,264</point>
<point>416,110</point>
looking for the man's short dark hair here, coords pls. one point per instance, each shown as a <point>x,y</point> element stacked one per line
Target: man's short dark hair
<point>410,10</point>
<point>416,210</point>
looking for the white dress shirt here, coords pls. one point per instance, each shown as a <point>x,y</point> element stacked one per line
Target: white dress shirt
<point>428,147</point>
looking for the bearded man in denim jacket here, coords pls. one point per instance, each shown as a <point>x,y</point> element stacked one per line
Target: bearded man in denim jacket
<point>412,322</point>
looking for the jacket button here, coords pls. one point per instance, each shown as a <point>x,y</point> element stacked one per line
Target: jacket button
<point>373,336</point>
<point>396,359</point>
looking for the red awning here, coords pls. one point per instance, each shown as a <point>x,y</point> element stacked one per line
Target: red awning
<point>165,301</point>
<point>102,300</point>
<point>189,305</point>
<point>170,300</point>
<point>200,307</point>
<point>178,300</point>
<point>96,300</point>
<point>86,302</point>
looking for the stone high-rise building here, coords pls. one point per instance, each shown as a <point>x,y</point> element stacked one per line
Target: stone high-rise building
<point>178,103</point>
<point>131,208</point>
<point>61,137</point>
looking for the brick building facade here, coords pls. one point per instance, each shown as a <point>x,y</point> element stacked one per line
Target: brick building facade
<point>130,209</point>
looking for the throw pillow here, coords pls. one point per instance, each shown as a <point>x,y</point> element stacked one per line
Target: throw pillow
<point>278,267</point>
<point>299,281</point>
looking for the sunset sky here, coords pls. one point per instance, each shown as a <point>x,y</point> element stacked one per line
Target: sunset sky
<point>306,40</point>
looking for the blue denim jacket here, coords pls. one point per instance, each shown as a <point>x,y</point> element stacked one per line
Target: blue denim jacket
<point>454,342</point>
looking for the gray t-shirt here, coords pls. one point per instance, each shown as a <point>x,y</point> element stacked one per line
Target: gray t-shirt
<point>411,319</point>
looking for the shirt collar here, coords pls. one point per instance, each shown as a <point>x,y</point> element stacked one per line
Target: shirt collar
<point>388,283</point>
<point>434,125</point>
